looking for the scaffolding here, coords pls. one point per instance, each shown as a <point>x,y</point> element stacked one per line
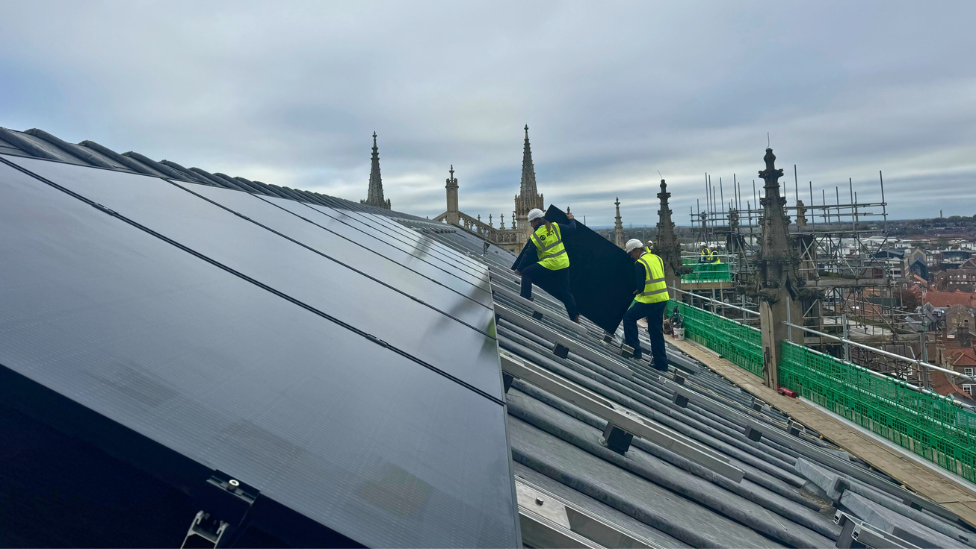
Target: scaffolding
<point>840,243</point>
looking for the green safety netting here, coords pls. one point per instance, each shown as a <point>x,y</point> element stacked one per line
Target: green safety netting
<point>705,272</point>
<point>737,342</point>
<point>929,425</point>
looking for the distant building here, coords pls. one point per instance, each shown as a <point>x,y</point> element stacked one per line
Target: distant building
<point>959,316</point>
<point>953,259</point>
<point>963,280</point>
<point>956,352</point>
<point>916,263</point>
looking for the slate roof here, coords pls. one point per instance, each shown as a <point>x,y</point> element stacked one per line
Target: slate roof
<point>656,494</point>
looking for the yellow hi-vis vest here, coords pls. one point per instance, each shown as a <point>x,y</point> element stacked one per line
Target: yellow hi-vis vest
<point>655,288</point>
<point>549,246</point>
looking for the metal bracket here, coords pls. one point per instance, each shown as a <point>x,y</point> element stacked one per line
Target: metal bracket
<point>679,399</point>
<point>549,521</point>
<point>537,315</point>
<point>754,435</point>
<point>616,438</point>
<point>507,381</point>
<point>560,350</point>
<point>206,531</point>
<point>226,502</point>
<point>626,351</point>
<point>856,534</point>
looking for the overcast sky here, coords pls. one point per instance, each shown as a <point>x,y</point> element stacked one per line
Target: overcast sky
<point>290,93</point>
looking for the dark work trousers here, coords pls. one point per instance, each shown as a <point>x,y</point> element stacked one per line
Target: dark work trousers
<point>557,280</point>
<point>654,313</point>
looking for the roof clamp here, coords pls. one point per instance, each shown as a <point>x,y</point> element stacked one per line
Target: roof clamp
<point>912,503</point>
<point>537,315</point>
<point>616,438</point>
<point>627,351</point>
<point>507,379</point>
<point>753,434</point>
<point>679,399</point>
<point>560,350</point>
<point>607,337</point>
<point>679,379</point>
<point>793,427</point>
<point>225,503</point>
<point>757,404</point>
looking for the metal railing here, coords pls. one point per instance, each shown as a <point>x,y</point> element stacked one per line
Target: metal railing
<point>937,428</point>
<point>922,365</point>
<point>719,303</point>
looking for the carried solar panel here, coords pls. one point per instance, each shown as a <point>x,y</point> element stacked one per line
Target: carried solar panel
<point>322,419</point>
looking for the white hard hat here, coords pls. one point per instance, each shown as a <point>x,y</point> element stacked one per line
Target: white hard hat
<point>650,244</point>
<point>535,213</point>
<point>633,244</point>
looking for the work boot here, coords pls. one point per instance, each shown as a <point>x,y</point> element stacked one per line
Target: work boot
<point>576,319</point>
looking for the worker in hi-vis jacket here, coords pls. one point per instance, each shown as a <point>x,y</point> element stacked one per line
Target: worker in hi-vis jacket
<point>546,245</point>
<point>650,302</point>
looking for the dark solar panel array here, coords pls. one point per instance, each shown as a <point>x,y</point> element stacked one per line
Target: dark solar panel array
<point>342,364</point>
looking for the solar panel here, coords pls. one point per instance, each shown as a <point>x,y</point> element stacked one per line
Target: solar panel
<point>412,256</point>
<point>361,252</point>
<point>392,227</point>
<point>432,248</point>
<point>466,353</point>
<point>321,419</point>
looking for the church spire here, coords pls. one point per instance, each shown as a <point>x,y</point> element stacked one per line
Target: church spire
<point>374,197</point>
<point>618,227</point>
<point>528,197</point>
<point>528,187</point>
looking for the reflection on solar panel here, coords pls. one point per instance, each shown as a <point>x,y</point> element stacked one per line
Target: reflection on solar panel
<point>253,342</point>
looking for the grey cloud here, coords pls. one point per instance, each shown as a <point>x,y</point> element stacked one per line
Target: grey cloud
<point>289,92</point>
